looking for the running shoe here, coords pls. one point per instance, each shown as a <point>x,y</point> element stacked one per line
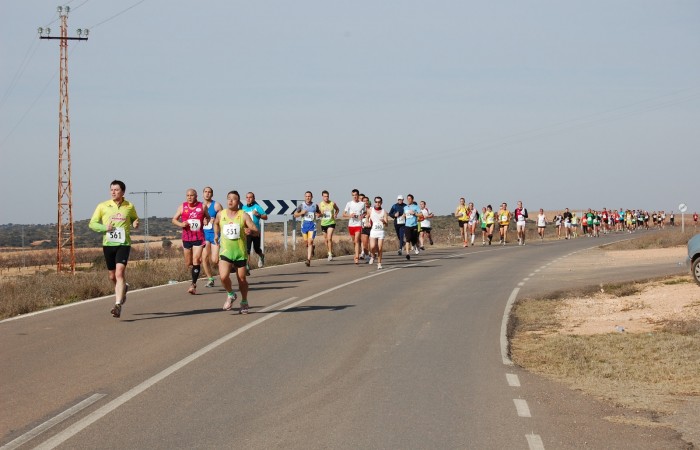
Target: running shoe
<point>117,310</point>
<point>379,265</point>
<point>415,250</point>
<point>431,241</point>
<point>371,259</point>
<point>230,298</point>
<point>308,263</point>
<point>210,283</point>
<point>408,256</point>
<point>193,289</point>
<point>330,257</point>
<point>422,248</point>
<point>244,307</point>
<point>126,289</point>
<point>261,261</point>
<point>400,253</point>
<point>464,245</point>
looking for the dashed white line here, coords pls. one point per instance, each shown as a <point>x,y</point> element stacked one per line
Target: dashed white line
<point>521,407</point>
<point>513,380</point>
<point>534,441</point>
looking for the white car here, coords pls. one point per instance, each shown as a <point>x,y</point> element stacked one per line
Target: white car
<point>694,257</point>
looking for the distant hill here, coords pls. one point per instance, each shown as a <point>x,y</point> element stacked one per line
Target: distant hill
<point>44,236</point>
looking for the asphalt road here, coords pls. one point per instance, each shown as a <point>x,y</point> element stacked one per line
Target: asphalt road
<point>332,356</point>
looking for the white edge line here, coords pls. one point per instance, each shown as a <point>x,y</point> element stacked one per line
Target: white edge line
<point>90,300</point>
<point>504,327</point>
<point>93,417</point>
<point>80,302</point>
<point>31,434</point>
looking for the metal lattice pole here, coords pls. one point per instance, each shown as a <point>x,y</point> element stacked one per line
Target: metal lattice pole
<point>65,240</point>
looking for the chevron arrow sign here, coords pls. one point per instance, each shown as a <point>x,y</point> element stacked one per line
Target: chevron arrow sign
<point>280,207</point>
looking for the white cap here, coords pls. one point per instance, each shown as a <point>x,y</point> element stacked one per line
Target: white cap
<point>400,197</point>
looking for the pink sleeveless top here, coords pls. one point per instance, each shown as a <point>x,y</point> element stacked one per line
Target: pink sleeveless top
<point>194,217</point>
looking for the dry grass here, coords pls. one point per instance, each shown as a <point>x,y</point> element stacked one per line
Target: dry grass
<point>27,293</point>
<point>649,371</point>
<point>39,287</point>
<point>668,237</point>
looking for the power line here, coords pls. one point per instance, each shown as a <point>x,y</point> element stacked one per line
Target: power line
<point>115,15</point>
<point>31,106</point>
<point>20,71</point>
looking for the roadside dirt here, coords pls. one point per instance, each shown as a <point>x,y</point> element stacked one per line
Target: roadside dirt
<point>643,311</point>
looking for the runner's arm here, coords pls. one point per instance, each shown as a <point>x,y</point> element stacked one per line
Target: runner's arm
<point>134,218</point>
<point>176,218</point>
<point>217,228</point>
<point>250,228</point>
<point>95,221</point>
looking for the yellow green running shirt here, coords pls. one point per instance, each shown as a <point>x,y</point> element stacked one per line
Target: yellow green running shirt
<point>233,237</point>
<point>120,216</point>
<point>327,212</point>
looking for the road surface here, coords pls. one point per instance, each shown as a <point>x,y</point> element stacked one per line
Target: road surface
<point>332,356</point>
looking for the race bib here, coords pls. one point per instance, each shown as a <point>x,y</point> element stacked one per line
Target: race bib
<point>309,216</point>
<point>195,224</point>
<point>521,218</point>
<point>116,235</point>
<point>504,218</point>
<point>378,226</point>
<point>232,231</point>
<point>401,220</point>
<point>328,214</point>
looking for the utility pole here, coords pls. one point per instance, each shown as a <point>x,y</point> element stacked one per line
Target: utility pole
<point>146,253</point>
<point>66,236</point>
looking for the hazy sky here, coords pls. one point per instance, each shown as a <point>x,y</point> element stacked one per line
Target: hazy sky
<point>558,103</point>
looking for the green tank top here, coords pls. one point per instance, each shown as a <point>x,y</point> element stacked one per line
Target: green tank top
<point>233,237</point>
<point>327,212</point>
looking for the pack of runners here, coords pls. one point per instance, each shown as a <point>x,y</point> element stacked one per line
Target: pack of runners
<point>226,236</point>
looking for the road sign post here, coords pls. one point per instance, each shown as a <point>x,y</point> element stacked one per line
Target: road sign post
<point>682,208</point>
<point>281,208</point>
